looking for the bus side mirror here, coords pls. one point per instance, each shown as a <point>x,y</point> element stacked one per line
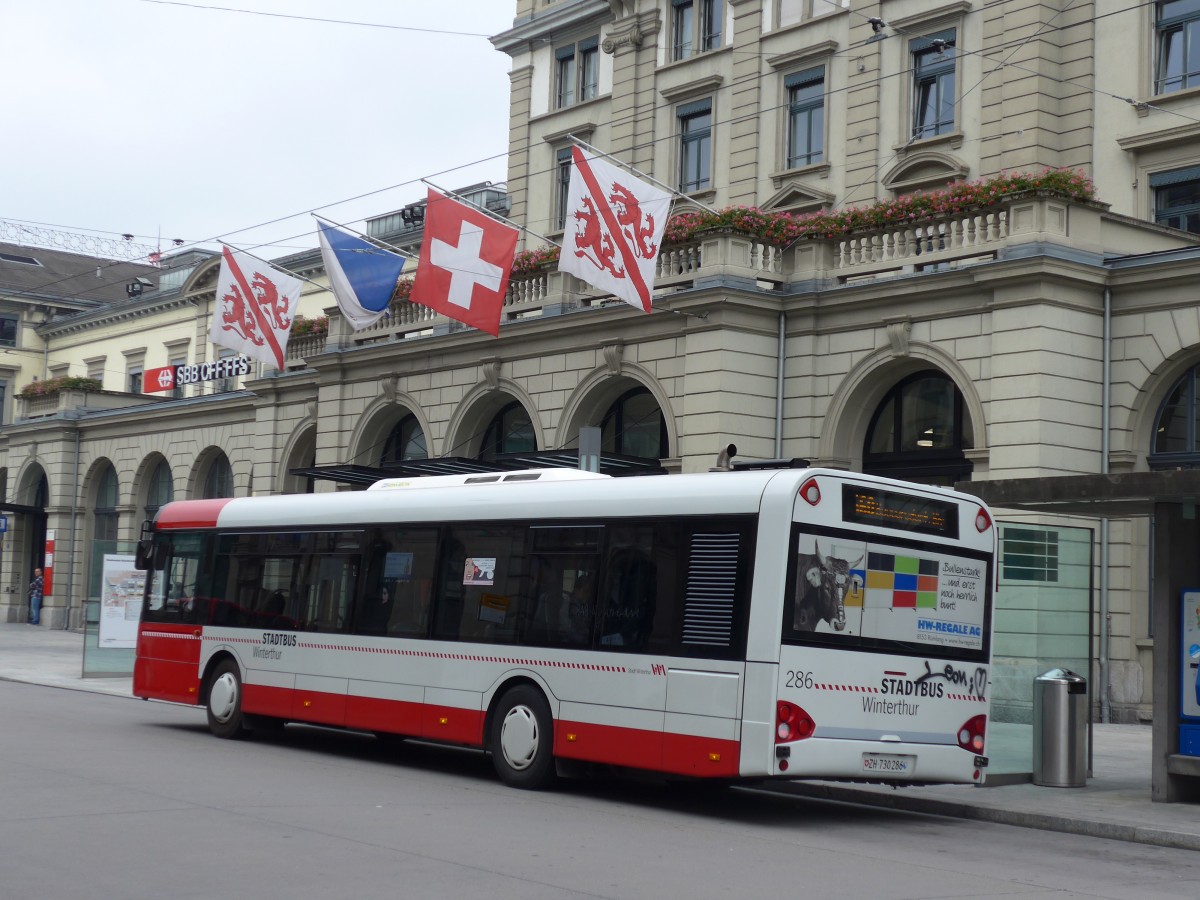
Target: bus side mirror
<point>141,556</point>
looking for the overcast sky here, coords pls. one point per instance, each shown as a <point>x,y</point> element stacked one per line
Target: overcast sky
<point>192,122</point>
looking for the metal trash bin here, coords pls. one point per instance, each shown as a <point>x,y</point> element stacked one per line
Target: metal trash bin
<point>1060,714</point>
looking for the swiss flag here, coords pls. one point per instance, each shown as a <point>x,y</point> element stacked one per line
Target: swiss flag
<point>466,258</point>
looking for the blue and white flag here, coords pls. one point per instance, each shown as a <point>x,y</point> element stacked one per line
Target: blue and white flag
<point>362,275</point>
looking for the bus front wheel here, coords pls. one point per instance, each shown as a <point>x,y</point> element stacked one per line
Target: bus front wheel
<point>522,739</point>
<point>225,718</point>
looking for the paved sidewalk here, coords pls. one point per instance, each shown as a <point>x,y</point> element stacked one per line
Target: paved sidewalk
<point>1115,803</point>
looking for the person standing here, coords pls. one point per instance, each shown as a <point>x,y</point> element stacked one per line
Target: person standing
<point>35,597</point>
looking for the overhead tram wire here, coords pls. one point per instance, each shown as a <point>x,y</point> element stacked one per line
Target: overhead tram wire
<point>671,137</point>
<point>957,101</point>
<point>256,12</point>
<point>221,238</point>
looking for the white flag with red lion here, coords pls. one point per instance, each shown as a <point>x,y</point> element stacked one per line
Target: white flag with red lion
<point>255,306</point>
<point>614,225</point>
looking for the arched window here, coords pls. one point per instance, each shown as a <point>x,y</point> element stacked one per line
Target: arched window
<point>634,426</point>
<point>919,432</point>
<point>160,491</point>
<point>218,480</point>
<point>1176,430</point>
<point>510,431</point>
<point>106,515</point>
<point>406,441</point>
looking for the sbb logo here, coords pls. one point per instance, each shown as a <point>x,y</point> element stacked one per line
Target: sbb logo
<point>167,377</point>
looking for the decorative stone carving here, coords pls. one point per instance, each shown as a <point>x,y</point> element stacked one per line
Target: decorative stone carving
<point>489,372</point>
<point>612,356</point>
<point>631,31</point>
<point>632,37</point>
<point>388,385</point>
<point>310,411</point>
<point>898,333</point>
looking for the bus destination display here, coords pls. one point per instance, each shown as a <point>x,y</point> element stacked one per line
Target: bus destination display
<point>902,512</point>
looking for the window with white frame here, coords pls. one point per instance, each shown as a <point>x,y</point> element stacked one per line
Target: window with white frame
<point>228,382</point>
<point>806,117</point>
<point>792,12</point>
<point>695,146</point>
<point>177,389</point>
<point>562,184</point>
<point>577,72</point>
<point>695,26</point>
<point>10,325</point>
<point>1177,198</point>
<point>95,368</point>
<point>1177,38</point>
<point>934,62</point>
<point>135,366</point>
<point>1029,554</point>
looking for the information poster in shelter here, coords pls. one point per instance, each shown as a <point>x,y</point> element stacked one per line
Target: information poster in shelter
<point>120,601</point>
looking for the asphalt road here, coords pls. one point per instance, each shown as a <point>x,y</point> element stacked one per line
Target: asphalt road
<point>106,797</point>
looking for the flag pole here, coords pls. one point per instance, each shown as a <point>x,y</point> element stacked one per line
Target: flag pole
<point>383,245</point>
<point>674,192</point>
<point>492,213</point>
<point>277,266</point>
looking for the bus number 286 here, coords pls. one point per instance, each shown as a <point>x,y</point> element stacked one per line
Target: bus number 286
<point>797,679</point>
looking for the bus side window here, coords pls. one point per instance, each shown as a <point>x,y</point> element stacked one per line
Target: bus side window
<point>449,603</point>
<point>630,600</point>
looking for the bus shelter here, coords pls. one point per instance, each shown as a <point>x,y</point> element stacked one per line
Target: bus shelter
<point>1170,500</point>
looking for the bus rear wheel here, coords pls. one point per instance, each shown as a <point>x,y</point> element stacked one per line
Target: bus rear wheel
<point>522,739</point>
<point>225,718</point>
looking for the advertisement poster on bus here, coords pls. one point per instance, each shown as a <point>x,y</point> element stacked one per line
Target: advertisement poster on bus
<point>877,591</point>
<point>120,601</point>
<point>480,570</point>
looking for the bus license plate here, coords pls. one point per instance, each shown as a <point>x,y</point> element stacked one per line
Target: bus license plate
<point>888,764</point>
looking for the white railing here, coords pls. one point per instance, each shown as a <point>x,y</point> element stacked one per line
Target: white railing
<point>964,235</point>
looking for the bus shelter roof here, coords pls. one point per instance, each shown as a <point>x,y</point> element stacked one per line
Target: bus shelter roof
<point>360,475</point>
<point>1119,495</point>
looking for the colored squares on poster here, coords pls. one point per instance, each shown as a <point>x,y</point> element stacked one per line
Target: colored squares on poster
<point>911,582</point>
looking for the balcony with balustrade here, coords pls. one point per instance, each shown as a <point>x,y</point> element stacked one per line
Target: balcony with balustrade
<point>1020,225</point>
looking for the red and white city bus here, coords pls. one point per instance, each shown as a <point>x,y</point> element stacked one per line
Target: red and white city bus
<point>787,623</point>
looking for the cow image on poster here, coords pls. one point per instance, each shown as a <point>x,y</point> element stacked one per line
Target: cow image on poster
<point>822,585</point>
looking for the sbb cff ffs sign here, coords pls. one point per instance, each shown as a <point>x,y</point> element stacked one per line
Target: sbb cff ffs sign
<point>166,378</point>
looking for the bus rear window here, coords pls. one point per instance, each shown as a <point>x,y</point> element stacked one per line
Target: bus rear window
<point>867,593</point>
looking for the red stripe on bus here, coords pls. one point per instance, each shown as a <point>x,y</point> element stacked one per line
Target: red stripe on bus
<point>374,714</point>
<point>265,700</point>
<point>167,663</point>
<point>640,748</point>
<point>191,514</point>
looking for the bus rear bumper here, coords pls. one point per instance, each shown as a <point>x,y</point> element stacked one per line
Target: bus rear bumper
<point>877,761</point>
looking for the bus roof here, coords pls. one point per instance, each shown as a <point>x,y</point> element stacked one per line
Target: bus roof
<point>470,478</point>
<point>723,493</point>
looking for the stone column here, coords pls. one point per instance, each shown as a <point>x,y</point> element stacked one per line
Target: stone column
<point>631,42</point>
<point>1037,101</point>
<point>747,149</point>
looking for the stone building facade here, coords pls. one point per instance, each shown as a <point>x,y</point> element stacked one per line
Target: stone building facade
<point>1036,335</point>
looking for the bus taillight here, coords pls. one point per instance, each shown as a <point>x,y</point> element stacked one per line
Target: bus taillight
<point>792,723</point>
<point>811,492</point>
<point>970,735</point>
<point>982,521</point>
